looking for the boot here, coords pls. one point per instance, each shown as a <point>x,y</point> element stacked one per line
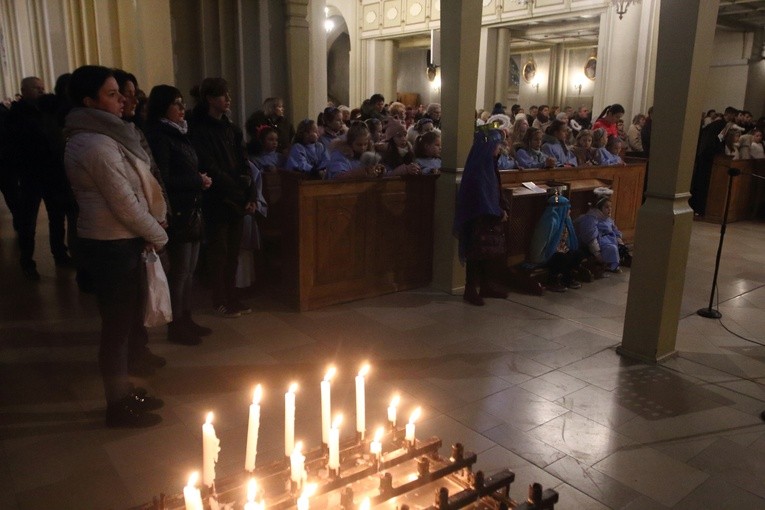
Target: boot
<point>471,296</point>
<point>195,328</point>
<point>179,333</point>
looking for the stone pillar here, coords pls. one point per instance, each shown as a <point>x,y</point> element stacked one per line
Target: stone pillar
<point>502,70</point>
<point>686,34</point>
<point>459,69</point>
<point>316,80</point>
<point>298,51</point>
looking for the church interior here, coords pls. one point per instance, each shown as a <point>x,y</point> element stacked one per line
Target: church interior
<point>617,395</point>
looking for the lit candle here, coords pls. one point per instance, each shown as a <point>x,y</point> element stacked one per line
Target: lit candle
<point>360,401</point>
<point>191,495</point>
<point>409,437</point>
<point>297,463</point>
<point>289,419</point>
<point>253,429</point>
<point>325,405</point>
<point>365,505</point>
<point>210,449</point>
<point>253,501</point>
<point>302,502</point>
<point>334,443</point>
<point>392,410</point>
<point>375,447</point>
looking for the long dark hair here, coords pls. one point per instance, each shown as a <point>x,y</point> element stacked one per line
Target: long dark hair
<point>612,109</point>
<point>160,99</point>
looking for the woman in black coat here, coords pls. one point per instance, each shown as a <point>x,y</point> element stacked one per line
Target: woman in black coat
<point>178,163</point>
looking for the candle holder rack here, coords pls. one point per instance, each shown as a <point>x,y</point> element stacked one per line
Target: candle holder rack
<point>403,476</point>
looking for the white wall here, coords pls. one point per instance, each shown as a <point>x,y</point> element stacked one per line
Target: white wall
<point>530,95</point>
<point>727,79</point>
<point>577,59</point>
<point>411,75</point>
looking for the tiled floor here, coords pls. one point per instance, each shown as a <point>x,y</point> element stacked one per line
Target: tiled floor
<point>530,383</point>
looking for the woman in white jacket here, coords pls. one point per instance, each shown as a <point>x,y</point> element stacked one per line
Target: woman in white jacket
<point>121,213</point>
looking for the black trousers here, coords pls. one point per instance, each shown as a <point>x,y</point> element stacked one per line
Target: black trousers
<point>119,276</point>
<point>563,264</point>
<point>224,239</point>
<point>60,210</point>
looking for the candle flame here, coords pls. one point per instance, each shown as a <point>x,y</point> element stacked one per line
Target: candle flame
<point>309,490</point>
<point>379,434</point>
<point>293,387</point>
<point>209,419</point>
<point>298,447</point>
<point>366,504</point>
<point>364,370</point>
<point>337,421</point>
<point>415,415</point>
<point>257,394</point>
<point>395,400</point>
<point>330,373</point>
<point>193,477</point>
<point>252,490</point>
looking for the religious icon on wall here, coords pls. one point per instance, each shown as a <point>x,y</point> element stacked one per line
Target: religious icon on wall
<point>515,73</point>
<point>590,67</point>
<point>529,70</point>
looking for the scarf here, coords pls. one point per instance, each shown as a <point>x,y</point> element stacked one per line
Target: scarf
<point>92,120</point>
<point>183,128</point>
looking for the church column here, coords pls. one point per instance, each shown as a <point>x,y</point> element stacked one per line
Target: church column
<point>502,71</point>
<point>459,69</point>
<point>686,35</point>
<point>298,51</point>
<point>487,59</point>
<point>316,81</point>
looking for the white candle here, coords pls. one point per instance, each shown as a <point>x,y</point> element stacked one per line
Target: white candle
<point>297,463</point>
<point>375,447</point>
<point>365,505</point>
<point>325,405</point>
<point>289,419</point>
<point>253,501</point>
<point>191,495</point>
<point>302,502</point>
<point>334,443</point>
<point>409,437</point>
<point>253,429</point>
<point>360,401</point>
<point>392,410</point>
<point>210,449</point>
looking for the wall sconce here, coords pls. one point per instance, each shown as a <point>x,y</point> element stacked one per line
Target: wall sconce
<point>622,5</point>
<point>578,85</point>
<point>535,83</point>
<point>329,25</point>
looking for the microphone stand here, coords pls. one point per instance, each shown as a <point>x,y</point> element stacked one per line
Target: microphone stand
<point>709,312</point>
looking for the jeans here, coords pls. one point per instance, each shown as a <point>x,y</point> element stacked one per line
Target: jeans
<point>183,262</point>
<point>223,242</point>
<point>119,276</point>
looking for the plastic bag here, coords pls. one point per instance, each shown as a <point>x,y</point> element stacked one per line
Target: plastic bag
<point>158,310</point>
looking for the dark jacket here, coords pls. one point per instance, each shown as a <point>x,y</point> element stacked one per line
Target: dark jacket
<point>220,149</point>
<point>179,167</point>
<point>283,127</point>
<point>32,150</point>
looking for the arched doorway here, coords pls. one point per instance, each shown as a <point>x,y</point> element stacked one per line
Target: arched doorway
<point>338,58</point>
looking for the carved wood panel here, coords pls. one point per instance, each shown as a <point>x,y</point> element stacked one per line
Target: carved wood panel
<point>340,238</point>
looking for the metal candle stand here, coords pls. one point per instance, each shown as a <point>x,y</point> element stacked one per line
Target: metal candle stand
<point>362,475</point>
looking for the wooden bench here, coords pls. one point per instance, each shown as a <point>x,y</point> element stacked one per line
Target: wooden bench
<point>747,192</point>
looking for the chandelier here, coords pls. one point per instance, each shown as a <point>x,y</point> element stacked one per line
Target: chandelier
<point>622,6</point>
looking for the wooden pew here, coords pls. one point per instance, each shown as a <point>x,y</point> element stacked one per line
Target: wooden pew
<point>578,183</point>
<point>347,240</point>
<point>746,192</point>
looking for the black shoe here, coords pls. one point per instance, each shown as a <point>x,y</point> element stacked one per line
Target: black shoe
<point>179,333</point>
<point>141,401</point>
<point>153,359</point>
<point>139,366</point>
<point>573,284</point>
<point>472,296</point>
<point>240,307</point>
<point>30,273</point>
<point>123,414</point>
<point>63,260</point>
<point>493,293</point>
<point>195,328</point>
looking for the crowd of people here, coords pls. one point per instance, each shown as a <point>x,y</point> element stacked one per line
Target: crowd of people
<point>124,174</point>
